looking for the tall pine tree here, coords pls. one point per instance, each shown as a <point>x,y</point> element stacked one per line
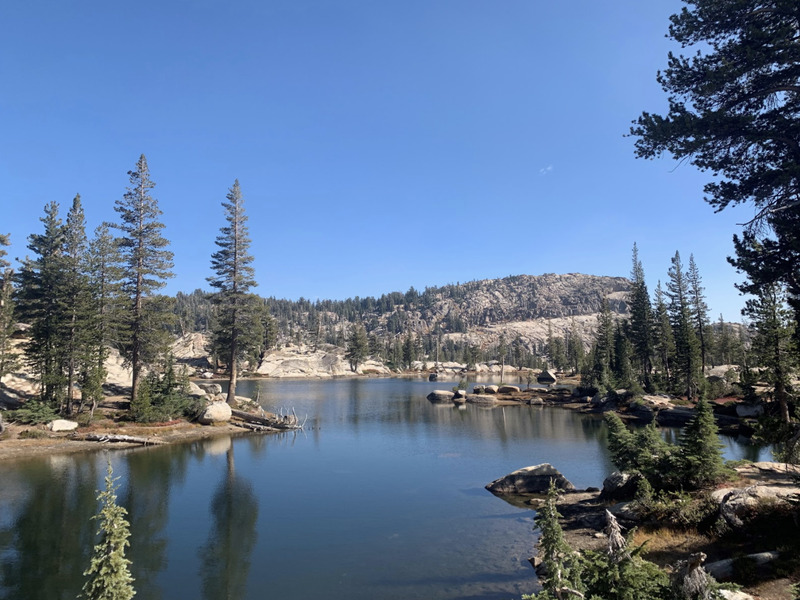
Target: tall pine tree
<point>233,277</point>
<point>7,355</point>
<point>699,309</point>
<point>687,347</point>
<point>41,304</point>
<point>641,322</point>
<point>146,264</point>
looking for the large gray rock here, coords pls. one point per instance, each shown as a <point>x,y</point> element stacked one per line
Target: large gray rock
<point>210,388</point>
<point>216,412</point>
<point>441,396</point>
<point>508,389</point>
<point>620,486</point>
<point>724,569</point>
<point>62,425</point>
<point>490,389</point>
<point>530,480</point>
<point>546,378</point>
<point>481,399</point>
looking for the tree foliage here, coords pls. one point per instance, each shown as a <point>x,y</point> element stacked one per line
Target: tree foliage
<point>146,264</point>
<point>233,277</point>
<point>109,576</point>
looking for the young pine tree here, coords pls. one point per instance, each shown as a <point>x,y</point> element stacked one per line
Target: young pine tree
<point>700,449</point>
<point>146,264</point>
<point>109,576</point>
<point>641,323</point>
<point>233,277</point>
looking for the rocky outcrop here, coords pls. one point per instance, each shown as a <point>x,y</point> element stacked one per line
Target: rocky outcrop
<point>440,397</point>
<point>216,412</point>
<point>482,399</point>
<point>530,480</point>
<point>620,486</point>
<point>62,425</point>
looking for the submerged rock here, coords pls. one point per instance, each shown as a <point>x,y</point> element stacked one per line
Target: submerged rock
<point>530,480</point>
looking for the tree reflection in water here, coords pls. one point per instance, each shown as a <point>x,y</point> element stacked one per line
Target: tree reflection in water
<point>226,555</point>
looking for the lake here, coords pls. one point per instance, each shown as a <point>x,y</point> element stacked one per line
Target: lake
<point>380,497</point>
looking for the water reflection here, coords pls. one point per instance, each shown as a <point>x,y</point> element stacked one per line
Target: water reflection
<point>46,547</point>
<point>225,558</point>
<point>152,472</point>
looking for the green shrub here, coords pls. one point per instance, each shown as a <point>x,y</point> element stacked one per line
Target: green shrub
<point>32,434</point>
<point>33,412</point>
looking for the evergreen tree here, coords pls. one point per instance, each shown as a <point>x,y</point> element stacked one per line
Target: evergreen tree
<point>104,275</point>
<point>600,375</point>
<point>701,450</point>
<point>7,355</point>
<point>575,350</point>
<point>563,566</point>
<point>621,365</point>
<point>767,310</point>
<point>109,576</point>
<point>664,341</point>
<point>234,276</point>
<point>641,322</point>
<point>80,317</point>
<point>41,304</point>
<point>699,309</point>
<point>357,346</point>
<point>687,347</point>
<point>146,264</point>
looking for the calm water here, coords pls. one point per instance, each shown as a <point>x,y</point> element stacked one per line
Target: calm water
<point>381,497</point>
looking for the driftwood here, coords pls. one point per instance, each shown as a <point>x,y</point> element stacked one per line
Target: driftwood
<point>254,427</point>
<point>271,421</point>
<point>131,439</point>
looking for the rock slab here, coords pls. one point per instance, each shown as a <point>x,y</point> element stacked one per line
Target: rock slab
<point>530,480</point>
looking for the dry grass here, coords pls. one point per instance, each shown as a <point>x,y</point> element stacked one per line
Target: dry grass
<point>665,546</point>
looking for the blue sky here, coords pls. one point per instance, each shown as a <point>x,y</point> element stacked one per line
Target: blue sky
<point>379,144</point>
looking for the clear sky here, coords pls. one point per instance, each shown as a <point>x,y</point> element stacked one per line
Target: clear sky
<point>379,144</point>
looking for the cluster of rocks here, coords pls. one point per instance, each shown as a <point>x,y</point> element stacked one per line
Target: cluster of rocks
<point>482,395</point>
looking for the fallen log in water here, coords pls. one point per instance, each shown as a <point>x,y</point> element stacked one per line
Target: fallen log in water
<point>130,439</point>
<point>272,421</point>
<point>255,427</point>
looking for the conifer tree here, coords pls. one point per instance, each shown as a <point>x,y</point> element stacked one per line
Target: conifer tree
<point>687,347</point>
<point>664,341</point>
<point>699,309</point>
<point>41,304</point>
<point>233,277</point>
<point>104,275</point>
<point>603,350</point>
<point>109,576</point>
<point>701,450</point>
<point>357,346</point>
<point>641,322</point>
<point>146,264</point>
<point>7,356</point>
<point>80,321</point>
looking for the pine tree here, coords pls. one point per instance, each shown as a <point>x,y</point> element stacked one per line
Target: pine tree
<point>664,341</point>
<point>562,566</point>
<point>687,347</point>
<point>603,351</point>
<point>641,322</point>
<point>109,576</point>
<point>699,309</point>
<point>357,346</point>
<point>41,304</point>
<point>701,450</point>
<point>146,264</point>
<point>233,277</point>
<point>104,275</point>
<point>79,314</point>
<point>7,356</point>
